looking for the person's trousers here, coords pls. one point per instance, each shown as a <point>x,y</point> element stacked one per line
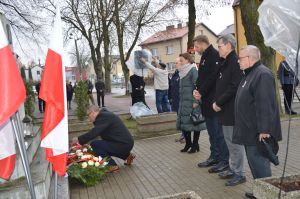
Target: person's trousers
<point>102,99</point>
<point>236,152</point>
<point>218,147</point>
<point>288,93</point>
<point>161,97</point>
<point>259,165</point>
<point>41,105</point>
<point>107,149</point>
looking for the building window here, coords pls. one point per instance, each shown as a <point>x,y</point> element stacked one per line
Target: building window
<point>201,32</point>
<point>38,72</point>
<point>73,77</point>
<point>169,50</point>
<point>154,52</point>
<point>171,66</point>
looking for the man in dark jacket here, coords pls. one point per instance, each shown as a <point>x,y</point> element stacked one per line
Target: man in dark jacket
<point>40,101</point>
<point>115,137</point>
<point>256,111</point>
<point>206,88</point>
<point>287,80</point>
<point>226,86</point>
<point>100,88</point>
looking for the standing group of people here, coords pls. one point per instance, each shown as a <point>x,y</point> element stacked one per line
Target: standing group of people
<point>237,97</point>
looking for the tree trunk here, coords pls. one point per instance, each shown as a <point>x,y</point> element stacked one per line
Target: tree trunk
<point>120,34</point>
<point>106,45</point>
<point>191,26</point>
<point>254,37</point>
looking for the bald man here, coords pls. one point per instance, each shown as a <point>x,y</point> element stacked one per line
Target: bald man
<point>256,111</point>
<point>115,141</point>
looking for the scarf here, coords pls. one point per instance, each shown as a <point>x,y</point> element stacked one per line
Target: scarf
<point>183,70</point>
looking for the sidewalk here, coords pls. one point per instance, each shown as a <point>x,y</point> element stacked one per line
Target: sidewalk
<point>160,168</point>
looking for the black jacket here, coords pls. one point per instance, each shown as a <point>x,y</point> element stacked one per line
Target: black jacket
<point>256,108</point>
<point>138,88</point>
<point>100,87</point>
<point>227,83</point>
<point>109,127</point>
<point>207,76</point>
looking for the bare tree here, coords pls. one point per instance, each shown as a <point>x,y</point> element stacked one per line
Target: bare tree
<point>200,9</point>
<point>26,24</point>
<point>130,17</point>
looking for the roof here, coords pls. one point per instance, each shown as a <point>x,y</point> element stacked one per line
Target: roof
<point>228,30</point>
<point>236,3</point>
<point>170,34</point>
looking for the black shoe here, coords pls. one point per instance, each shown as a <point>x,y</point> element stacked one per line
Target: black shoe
<point>194,149</point>
<point>237,179</point>
<point>221,166</point>
<point>250,195</point>
<point>226,174</point>
<point>186,148</point>
<point>209,162</point>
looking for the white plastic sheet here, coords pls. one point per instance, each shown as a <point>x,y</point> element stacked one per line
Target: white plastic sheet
<point>140,109</point>
<point>279,22</point>
<point>134,64</point>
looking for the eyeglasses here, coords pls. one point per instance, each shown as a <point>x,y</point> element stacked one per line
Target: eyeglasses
<point>242,57</point>
<point>220,46</point>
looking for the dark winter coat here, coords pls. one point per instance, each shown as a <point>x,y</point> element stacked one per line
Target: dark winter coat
<point>70,91</point>
<point>110,128</point>
<point>227,83</point>
<point>186,100</point>
<point>174,91</point>
<point>256,108</point>
<point>100,87</point>
<point>138,86</point>
<point>207,76</point>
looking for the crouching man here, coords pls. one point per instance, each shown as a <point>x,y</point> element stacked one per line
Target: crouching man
<point>115,138</point>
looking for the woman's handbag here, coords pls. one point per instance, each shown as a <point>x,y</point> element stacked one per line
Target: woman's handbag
<point>196,115</point>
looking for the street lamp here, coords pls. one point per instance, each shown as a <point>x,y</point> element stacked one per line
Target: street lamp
<point>77,53</point>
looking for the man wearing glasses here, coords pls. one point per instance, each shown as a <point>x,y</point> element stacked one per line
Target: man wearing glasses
<point>226,87</point>
<point>256,112</point>
<point>115,138</point>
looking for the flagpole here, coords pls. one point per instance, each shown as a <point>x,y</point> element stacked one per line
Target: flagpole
<point>55,186</point>
<point>21,145</point>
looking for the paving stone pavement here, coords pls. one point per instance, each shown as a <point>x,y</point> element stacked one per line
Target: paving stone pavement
<point>160,169</point>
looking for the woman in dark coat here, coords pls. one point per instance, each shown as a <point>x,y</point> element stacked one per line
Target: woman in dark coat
<point>188,76</point>
<point>70,91</point>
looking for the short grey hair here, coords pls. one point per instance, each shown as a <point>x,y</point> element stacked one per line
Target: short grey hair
<point>229,38</point>
<point>252,51</point>
<point>93,108</point>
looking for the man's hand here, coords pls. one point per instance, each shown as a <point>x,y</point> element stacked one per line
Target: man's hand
<point>263,136</point>
<point>74,140</point>
<point>197,95</point>
<point>216,107</point>
<point>195,105</point>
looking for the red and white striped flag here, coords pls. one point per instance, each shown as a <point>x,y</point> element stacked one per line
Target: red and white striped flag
<point>13,94</point>
<point>53,92</point>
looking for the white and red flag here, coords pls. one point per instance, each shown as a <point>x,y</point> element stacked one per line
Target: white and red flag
<point>53,92</point>
<point>13,94</point>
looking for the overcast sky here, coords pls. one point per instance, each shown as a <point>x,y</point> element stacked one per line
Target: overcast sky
<point>219,19</point>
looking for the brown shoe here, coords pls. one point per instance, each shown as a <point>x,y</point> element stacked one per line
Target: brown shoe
<point>113,169</point>
<point>129,159</point>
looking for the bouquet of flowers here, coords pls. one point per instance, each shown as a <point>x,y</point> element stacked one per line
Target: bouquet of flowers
<point>84,166</point>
